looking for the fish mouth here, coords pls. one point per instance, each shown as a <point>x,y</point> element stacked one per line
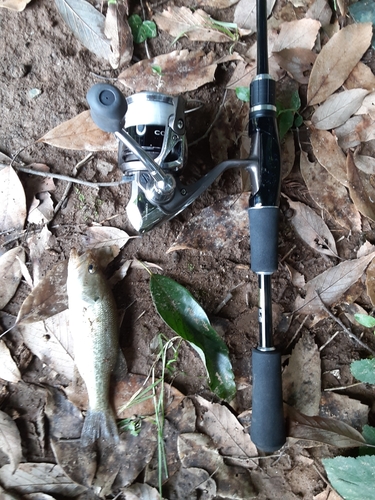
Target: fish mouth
<point>76,260</point>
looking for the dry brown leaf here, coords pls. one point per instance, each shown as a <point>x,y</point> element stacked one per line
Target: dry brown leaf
<point>142,491</point>
<point>216,4</point>
<point>38,242</point>
<point>331,284</point>
<point>117,29</point>
<point>288,155</point>
<point>49,297</point>
<point>42,210</point>
<point>245,14</point>
<point>365,163</point>
<point>297,62</point>
<point>361,189</point>
<point>356,130</point>
<point>300,34</point>
<point>312,229</point>
<point>13,201</point>
<point>370,282</point>
<point>51,342</point>
<point>10,274</point>
<point>336,61</point>
<point>329,154</point>
<point>10,440</point>
<point>330,194</point>
<point>8,368</point>
<point>361,77</point>
<point>17,5</point>
<point>106,242</point>
<point>198,450</point>
<point>296,277</point>
<point>39,477</point>
<point>338,108</point>
<point>216,227</point>
<point>228,435</point>
<point>348,410</point>
<point>195,25</point>
<point>368,106</point>
<point>174,73</point>
<point>324,430</point>
<point>199,480</point>
<point>302,377</point>
<point>80,133</point>
<point>327,494</point>
<point>321,11</point>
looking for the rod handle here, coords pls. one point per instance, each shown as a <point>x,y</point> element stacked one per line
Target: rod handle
<point>107,106</point>
<point>264,222</point>
<point>267,422</point>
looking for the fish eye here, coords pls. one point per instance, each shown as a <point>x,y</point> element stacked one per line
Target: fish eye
<point>91,268</point>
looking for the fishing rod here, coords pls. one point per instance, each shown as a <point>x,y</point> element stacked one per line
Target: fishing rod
<point>151,132</point>
<point>267,422</point>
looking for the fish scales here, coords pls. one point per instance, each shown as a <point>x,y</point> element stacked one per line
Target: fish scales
<point>94,325</point>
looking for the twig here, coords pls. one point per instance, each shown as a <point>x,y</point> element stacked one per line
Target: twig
<point>213,123</point>
<point>346,330</point>
<point>70,184</point>
<point>95,185</point>
<point>297,332</point>
<point>328,341</point>
<point>342,388</point>
<point>288,253</point>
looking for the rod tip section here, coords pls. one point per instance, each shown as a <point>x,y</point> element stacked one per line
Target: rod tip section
<point>267,423</point>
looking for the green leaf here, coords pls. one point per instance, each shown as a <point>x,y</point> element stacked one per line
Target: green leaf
<point>365,320</point>
<point>243,93</point>
<point>352,478</point>
<point>141,30</point>
<point>295,101</point>
<point>157,69</point>
<point>286,119</point>
<point>364,370</point>
<point>181,312</point>
<point>368,433</point>
<point>150,29</point>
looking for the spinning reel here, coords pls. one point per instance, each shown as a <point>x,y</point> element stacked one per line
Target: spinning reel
<point>151,130</point>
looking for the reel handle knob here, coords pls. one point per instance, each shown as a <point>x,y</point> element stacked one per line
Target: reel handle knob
<point>107,106</point>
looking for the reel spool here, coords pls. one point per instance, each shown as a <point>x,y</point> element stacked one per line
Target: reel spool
<point>157,123</point>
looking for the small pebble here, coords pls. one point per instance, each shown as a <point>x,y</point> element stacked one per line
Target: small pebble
<point>34,93</point>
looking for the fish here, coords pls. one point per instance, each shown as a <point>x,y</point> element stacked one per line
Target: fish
<point>94,326</point>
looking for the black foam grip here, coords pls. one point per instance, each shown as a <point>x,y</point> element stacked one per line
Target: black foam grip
<point>267,422</point>
<point>264,224</point>
<point>107,106</point>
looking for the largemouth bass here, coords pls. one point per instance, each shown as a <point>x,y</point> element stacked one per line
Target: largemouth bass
<point>95,330</point>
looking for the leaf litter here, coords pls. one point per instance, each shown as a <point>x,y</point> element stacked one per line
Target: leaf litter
<point>294,57</point>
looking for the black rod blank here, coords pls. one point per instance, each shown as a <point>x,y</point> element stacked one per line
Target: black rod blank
<point>262,46</point>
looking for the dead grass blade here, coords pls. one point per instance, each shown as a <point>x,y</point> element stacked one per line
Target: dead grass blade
<point>336,61</point>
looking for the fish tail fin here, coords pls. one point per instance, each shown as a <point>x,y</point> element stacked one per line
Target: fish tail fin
<point>99,425</point>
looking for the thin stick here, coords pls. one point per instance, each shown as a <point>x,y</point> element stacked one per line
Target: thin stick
<point>342,388</point>
<point>297,332</point>
<point>213,123</point>
<point>70,184</point>
<point>346,330</point>
<point>328,341</point>
<point>95,185</point>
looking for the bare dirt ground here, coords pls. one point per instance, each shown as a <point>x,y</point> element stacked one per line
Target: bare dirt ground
<point>39,52</point>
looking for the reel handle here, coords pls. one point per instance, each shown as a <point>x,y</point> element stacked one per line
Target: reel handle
<point>107,106</point>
